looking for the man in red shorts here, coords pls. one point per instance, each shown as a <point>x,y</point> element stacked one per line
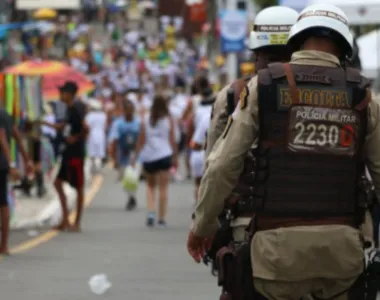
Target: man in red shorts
<point>73,154</point>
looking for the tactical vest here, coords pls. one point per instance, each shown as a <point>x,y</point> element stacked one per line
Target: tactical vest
<point>308,161</point>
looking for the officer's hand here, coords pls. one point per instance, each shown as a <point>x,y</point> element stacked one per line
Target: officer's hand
<point>198,246</point>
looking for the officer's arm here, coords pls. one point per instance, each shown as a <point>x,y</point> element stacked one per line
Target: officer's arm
<point>226,163</point>
<point>218,120</point>
<point>372,144</point>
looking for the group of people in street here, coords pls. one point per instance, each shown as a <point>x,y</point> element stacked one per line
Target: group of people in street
<point>155,136</point>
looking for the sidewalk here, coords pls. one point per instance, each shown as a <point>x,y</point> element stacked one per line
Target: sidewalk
<point>33,212</point>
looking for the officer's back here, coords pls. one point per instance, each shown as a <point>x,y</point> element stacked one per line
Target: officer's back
<point>313,118</point>
<point>314,123</point>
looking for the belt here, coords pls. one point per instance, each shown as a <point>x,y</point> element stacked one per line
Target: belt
<point>268,223</point>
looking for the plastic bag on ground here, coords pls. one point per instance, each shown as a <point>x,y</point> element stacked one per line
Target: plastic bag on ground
<point>131,178</point>
<point>99,284</point>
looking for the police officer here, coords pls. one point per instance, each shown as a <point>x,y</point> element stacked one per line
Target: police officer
<point>268,42</point>
<point>313,122</point>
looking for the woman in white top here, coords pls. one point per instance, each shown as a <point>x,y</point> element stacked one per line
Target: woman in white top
<point>157,149</point>
<point>96,120</point>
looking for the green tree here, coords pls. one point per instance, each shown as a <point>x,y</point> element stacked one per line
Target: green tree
<point>265,3</point>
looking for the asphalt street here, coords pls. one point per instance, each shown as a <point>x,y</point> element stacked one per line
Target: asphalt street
<point>140,263</point>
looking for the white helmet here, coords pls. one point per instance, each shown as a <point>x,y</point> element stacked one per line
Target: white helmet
<point>272,27</point>
<point>322,16</point>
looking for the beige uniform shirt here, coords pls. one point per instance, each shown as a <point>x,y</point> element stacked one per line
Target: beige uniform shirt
<point>225,162</point>
<point>219,119</point>
<point>217,126</point>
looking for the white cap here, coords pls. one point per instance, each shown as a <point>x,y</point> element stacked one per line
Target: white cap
<point>324,16</point>
<point>272,26</point>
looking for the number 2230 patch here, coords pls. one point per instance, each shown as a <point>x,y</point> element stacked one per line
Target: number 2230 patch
<point>321,130</point>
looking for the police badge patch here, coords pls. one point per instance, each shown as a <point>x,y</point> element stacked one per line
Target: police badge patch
<point>243,99</point>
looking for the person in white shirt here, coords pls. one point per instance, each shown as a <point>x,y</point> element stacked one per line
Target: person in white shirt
<point>187,120</point>
<point>157,149</point>
<point>202,111</point>
<point>49,132</point>
<point>197,144</point>
<point>132,37</point>
<point>141,101</point>
<point>165,21</point>
<point>177,106</point>
<point>96,120</point>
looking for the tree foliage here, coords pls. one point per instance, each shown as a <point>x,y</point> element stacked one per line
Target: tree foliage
<point>265,3</point>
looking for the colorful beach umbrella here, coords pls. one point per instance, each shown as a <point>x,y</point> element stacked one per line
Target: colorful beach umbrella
<point>54,74</point>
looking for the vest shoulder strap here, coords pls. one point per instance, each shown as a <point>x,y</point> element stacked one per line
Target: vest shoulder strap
<point>264,77</point>
<point>276,70</point>
<point>361,88</point>
<point>238,87</point>
<point>353,75</point>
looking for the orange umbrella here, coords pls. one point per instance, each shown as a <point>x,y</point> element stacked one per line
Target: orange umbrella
<point>54,75</point>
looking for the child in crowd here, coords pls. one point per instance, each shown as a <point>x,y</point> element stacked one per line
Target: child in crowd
<point>127,131</point>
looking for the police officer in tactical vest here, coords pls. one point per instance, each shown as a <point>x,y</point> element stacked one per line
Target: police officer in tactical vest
<point>314,126</point>
<point>268,41</point>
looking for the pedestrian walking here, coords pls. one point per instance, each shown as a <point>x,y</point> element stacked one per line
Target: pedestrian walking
<point>74,130</point>
<point>8,167</point>
<point>126,135</point>
<point>48,132</point>
<point>201,111</point>
<point>197,146</point>
<point>96,121</point>
<point>158,149</point>
<point>177,106</point>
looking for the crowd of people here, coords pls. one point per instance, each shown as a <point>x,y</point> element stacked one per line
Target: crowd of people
<point>154,130</point>
<point>146,109</point>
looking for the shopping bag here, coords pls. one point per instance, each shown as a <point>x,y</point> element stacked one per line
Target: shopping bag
<point>131,178</point>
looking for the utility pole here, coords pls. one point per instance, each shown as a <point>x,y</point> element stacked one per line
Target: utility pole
<point>212,43</point>
<point>232,59</point>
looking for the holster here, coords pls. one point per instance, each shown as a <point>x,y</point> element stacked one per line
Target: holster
<point>235,273</point>
<point>372,276</point>
<point>221,239</point>
<point>227,269</point>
